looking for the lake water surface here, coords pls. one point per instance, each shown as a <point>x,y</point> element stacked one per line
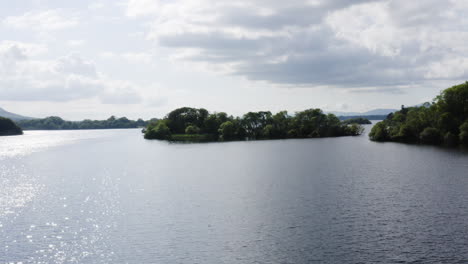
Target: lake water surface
<point>109,196</point>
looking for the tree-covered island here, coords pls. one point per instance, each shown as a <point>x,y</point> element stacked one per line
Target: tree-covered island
<point>357,120</point>
<point>9,128</point>
<point>198,125</point>
<point>444,121</point>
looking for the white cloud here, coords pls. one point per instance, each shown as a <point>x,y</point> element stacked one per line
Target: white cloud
<point>107,55</point>
<point>76,42</point>
<point>26,78</point>
<point>130,57</point>
<point>138,57</point>
<point>96,5</point>
<point>42,21</point>
<point>369,26</point>
<point>76,65</point>
<point>22,49</point>
<point>136,8</point>
<point>448,68</point>
<point>120,92</point>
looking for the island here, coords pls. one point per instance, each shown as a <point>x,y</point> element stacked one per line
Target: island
<point>9,128</point>
<point>198,125</point>
<point>357,120</point>
<point>441,122</point>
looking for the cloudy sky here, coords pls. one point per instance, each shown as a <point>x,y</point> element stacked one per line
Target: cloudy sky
<point>143,58</point>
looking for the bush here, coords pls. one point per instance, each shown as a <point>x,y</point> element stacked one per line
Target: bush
<point>226,131</point>
<point>191,138</point>
<point>450,139</point>
<point>406,134</point>
<point>192,130</point>
<point>354,129</point>
<point>159,131</point>
<point>464,133</point>
<point>379,132</point>
<point>430,135</point>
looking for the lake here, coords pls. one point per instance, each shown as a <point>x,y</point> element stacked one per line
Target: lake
<point>109,196</point>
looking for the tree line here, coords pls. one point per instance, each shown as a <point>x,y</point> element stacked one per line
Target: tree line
<point>57,123</point>
<point>443,121</point>
<point>197,124</point>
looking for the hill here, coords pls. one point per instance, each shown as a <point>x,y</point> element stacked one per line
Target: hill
<point>12,116</point>
<point>374,112</point>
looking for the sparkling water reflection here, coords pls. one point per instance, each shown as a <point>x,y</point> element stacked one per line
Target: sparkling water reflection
<point>113,197</point>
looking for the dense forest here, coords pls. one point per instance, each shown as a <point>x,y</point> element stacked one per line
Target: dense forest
<point>9,128</point>
<point>192,124</point>
<point>57,123</point>
<point>444,121</point>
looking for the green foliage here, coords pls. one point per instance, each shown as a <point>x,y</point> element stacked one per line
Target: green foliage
<point>9,128</point>
<point>179,119</point>
<point>357,120</point>
<point>464,133</point>
<point>379,132</point>
<point>192,129</point>
<point>186,124</point>
<point>192,138</point>
<point>445,121</point>
<point>158,130</point>
<point>430,135</point>
<point>450,139</point>
<point>354,129</point>
<point>227,131</point>
<point>57,123</point>
<point>255,122</point>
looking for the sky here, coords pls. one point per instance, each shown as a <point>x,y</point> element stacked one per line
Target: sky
<point>144,58</point>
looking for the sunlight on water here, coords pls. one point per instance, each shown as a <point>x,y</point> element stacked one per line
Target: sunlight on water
<point>67,197</point>
<point>16,191</point>
<point>64,230</point>
<point>33,141</point>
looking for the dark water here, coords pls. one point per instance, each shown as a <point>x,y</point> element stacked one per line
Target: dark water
<point>112,197</point>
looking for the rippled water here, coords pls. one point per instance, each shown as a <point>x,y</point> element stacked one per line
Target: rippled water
<point>109,196</point>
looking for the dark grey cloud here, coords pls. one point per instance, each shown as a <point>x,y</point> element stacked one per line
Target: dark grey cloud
<point>307,43</point>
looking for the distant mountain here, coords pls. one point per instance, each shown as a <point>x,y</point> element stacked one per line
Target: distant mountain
<point>379,112</point>
<point>374,112</point>
<point>12,116</point>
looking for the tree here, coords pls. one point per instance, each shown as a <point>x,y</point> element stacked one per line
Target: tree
<point>354,129</point>
<point>187,124</point>
<point>180,118</point>
<point>430,135</point>
<point>9,128</point>
<point>379,132</point>
<point>254,122</point>
<point>227,131</point>
<point>443,121</point>
<point>310,123</point>
<point>357,120</point>
<point>158,131</point>
<point>192,129</point>
<point>464,133</point>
